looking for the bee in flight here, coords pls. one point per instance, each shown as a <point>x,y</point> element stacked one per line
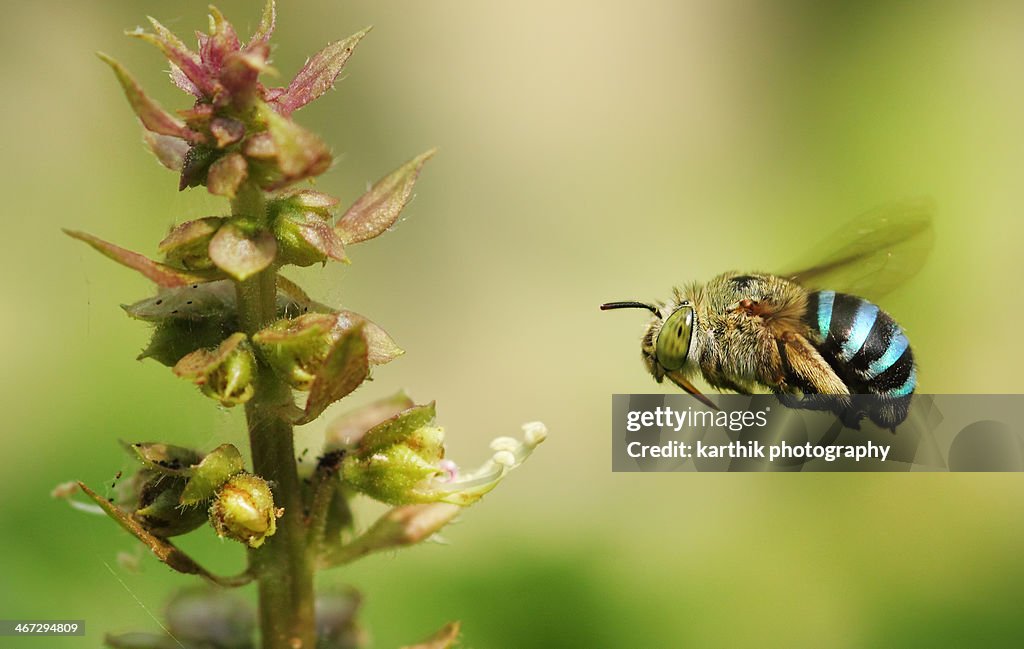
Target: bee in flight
<point>799,334</point>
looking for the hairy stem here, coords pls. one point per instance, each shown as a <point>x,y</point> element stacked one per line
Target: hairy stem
<point>282,565</point>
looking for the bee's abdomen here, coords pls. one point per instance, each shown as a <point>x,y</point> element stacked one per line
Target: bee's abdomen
<point>864,345</point>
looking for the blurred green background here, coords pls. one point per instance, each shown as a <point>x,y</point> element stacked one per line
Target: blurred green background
<point>589,152</point>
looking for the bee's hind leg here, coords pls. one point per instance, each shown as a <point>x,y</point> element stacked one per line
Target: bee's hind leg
<point>809,382</point>
<point>805,367</point>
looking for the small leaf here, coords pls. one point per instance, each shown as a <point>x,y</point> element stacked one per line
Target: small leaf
<point>183,83</point>
<point>300,153</point>
<point>166,459</point>
<point>207,477</point>
<point>169,150</point>
<point>193,302</point>
<point>163,549</point>
<point>401,526</point>
<point>227,175</point>
<point>161,274</point>
<point>241,255</point>
<point>293,291</point>
<point>153,117</point>
<point>266,26</point>
<point>294,294</point>
<point>221,41</point>
<point>180,56</point>
<point>378,209</point>
<point>382,348</point>
<point>319,74</point>
<point>188,244</point>
<point>344,369</point>
<point>224,373</point>
<point>443,639</point>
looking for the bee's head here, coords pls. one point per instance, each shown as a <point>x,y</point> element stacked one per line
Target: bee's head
<point>666,343</point>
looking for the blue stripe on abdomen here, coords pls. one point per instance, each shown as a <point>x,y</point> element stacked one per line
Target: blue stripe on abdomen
<point>825,300</point>
<point>862,323</point>
<point>897,345</point>
<point>907,387</point>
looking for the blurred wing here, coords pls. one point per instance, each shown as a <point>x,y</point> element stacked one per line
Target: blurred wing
<point>874,253</point>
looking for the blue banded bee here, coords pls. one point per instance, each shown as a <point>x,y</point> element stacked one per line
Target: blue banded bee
<point>793,334</point>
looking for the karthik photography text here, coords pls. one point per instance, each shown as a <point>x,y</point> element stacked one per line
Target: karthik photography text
<point>754,449</point>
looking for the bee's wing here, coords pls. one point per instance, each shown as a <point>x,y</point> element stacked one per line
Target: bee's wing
<point>877,251</point>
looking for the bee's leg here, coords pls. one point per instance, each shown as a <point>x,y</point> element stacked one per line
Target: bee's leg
<point>802,362</point>
<point>807,372</point>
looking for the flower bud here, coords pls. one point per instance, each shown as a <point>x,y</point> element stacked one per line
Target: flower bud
<point>188,244</point>
<point>300,220</point>
<point>159,509</point>
<point>393,474</point>
<point>244,510</point>
<point>296,348</point>
<point>396,457</point>
<point>224,373</point>
<point>304,237</point>
<point>166,493</point>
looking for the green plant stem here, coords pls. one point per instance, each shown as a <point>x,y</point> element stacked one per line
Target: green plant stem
<point>282,564</point>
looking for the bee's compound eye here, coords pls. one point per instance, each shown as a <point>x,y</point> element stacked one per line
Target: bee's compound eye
<point>674,338</point>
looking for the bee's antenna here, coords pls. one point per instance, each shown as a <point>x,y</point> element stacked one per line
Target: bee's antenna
<point>631,305</point>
